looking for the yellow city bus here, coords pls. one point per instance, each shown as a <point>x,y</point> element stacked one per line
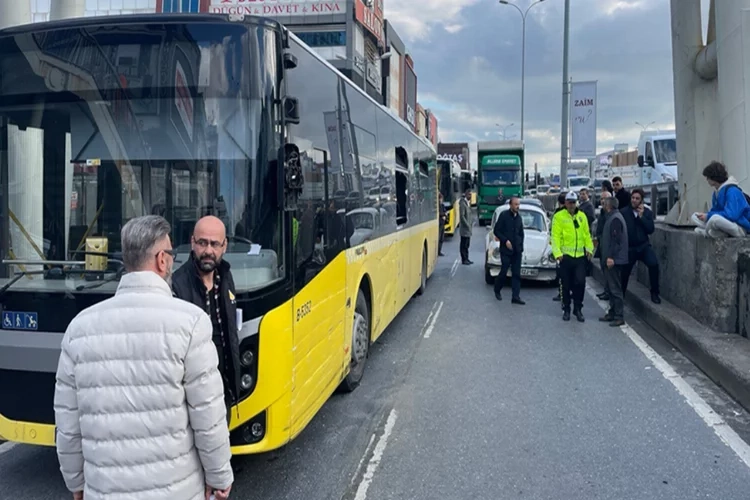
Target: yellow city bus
<point>105,119</point>
<point>450,187</point>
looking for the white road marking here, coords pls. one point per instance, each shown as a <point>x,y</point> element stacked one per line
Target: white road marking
<point>429,316</point>
<point>377,456</point>
<point>703,409</point>
<point>428,332</point>
<point>364,455</point>
<point>454,268</point>
<point>6,447</point>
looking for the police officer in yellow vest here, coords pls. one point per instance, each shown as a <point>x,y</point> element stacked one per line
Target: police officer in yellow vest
<point>571,246</point>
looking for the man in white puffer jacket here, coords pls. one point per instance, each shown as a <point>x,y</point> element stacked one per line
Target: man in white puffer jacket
<point>139,402</point>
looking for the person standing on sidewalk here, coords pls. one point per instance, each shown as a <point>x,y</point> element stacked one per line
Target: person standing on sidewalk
<point>139,402</point>
<point>441,221</point>
<point>508,231</point>
<point>558,281</point>
<point>600,221</point>
<point>465,227</point>
<point>614,251</point>
<point>571,246</point>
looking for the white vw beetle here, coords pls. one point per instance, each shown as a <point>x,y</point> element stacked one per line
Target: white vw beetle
<point>538,263</point>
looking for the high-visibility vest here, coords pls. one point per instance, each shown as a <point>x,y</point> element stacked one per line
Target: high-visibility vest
<point>567,239</point>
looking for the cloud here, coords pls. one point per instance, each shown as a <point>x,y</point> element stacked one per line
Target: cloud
<point>467,56</point>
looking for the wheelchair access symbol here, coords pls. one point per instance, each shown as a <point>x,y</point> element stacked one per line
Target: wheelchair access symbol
<point>20,320</point>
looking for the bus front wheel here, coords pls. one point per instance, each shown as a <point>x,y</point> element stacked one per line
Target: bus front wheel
<point>360,345</point>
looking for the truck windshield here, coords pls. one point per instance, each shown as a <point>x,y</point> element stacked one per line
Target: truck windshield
<point>501,177</point>
<point>666,150</point>
<point>109,122</point>
<point>578,182</point>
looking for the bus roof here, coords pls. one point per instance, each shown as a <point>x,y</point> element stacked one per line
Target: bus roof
<point>501,161</point>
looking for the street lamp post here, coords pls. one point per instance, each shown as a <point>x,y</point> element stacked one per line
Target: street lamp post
<point>504,129</point>
<point>523,49</point>
<point>644,127</point>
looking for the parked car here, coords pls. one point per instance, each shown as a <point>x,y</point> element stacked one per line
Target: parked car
<point>538,263</point>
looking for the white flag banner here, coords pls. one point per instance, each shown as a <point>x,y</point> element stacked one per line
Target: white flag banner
<point>583,120</point>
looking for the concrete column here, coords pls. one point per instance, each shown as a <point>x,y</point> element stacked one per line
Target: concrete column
<point>733,55</point>
<point>64,9</point>
<point>696,114</point>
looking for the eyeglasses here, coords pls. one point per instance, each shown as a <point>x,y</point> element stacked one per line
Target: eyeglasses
<point>169,251</point>
<point>204,243</point>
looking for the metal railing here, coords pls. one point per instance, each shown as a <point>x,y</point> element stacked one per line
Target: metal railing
<point>660,197</point>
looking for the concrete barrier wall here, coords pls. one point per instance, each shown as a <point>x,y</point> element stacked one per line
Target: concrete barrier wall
<point>699,275</point>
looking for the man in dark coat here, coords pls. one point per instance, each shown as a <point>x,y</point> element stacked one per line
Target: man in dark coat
<point>640,222</point>
<point>206,281</point>
<point>508,231</point>
<point>601,219</point>
<point>622,194</point>
<point>613,246</point>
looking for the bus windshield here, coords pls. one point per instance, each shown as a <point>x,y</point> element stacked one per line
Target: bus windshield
<point>501,177</point>
<point>108,123</point>
<point>578,182</point>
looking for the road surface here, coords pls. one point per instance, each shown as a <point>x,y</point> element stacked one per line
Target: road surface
<point>466,397</point>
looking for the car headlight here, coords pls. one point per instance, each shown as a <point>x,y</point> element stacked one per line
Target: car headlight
<point>667,178</point>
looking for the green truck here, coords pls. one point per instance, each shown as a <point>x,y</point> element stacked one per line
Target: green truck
<point>500,166</point>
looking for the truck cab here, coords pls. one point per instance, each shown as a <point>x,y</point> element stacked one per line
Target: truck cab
<point>658,151</point>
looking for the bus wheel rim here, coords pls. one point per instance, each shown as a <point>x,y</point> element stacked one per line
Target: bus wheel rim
<point>359,339</point>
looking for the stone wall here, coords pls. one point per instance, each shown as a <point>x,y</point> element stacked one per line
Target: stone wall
<point>699,275</point>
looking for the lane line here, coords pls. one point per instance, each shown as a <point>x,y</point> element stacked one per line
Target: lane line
<point>362,460</point>
<point>7,446</point>
<point>454,268</point>
<point>428,332</point>
<point>429,316</point>
<point>377,456</point>
<point>712,419</point>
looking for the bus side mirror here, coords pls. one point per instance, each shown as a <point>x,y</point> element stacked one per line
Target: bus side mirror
<point>291,110</point>
<point>640,161</point>
<point>294,179</point>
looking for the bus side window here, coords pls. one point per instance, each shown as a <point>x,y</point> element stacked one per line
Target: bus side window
<point>402,186</point>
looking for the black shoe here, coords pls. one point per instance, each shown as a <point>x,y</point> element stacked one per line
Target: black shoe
<point>469,261</point>
<point>617,322</point>
<point>556,298</point>
<point>603,296</point>
<point>498,296</point>
<point>606,318</point>
<point>518,301</point>
<point>655,298</point>
<point>441,254</point>
<point>579,316</point>
<point>566,316</point>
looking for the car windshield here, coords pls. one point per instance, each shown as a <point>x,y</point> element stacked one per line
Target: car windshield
<point>501,177</point>
<point>361,220</point>
<point>578,181</point>
<point>110,122</point>
<point>533,220</point>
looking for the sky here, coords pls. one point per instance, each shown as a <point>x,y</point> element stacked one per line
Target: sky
<point>467,56</point>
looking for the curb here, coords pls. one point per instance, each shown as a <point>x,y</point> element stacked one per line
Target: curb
<point>723,357</point>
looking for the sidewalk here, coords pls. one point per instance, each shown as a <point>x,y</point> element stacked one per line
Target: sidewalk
<point>725,358</point>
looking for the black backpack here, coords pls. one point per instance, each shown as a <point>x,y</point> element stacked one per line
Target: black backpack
<point>747,197</point>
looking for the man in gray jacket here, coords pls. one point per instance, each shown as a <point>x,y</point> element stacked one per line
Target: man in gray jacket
<point>139,402</point>
<point>465,224</point>
<point>614,254</point>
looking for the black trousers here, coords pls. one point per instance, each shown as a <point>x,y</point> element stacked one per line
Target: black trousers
<point>648,257</point>
<point>512,262</point>
<point>440,239</point>
<point>464,249</point>
<point>603,266</point>
<point>573,279</point>
<point>613,281</point>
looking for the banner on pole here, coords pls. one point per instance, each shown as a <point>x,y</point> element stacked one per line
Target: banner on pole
<point>583,120</point>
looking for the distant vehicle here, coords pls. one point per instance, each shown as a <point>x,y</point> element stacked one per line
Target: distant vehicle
<point>500,168</point>
<point>542,189</point>
<point>538,263</point>
<point>450,188</point>
<point>653,162</point>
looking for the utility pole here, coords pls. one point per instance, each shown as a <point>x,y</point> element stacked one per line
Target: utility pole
<point>565,101</point>
<point>536,174</point>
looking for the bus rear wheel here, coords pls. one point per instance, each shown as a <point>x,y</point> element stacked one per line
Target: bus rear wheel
<point>360,345</point>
